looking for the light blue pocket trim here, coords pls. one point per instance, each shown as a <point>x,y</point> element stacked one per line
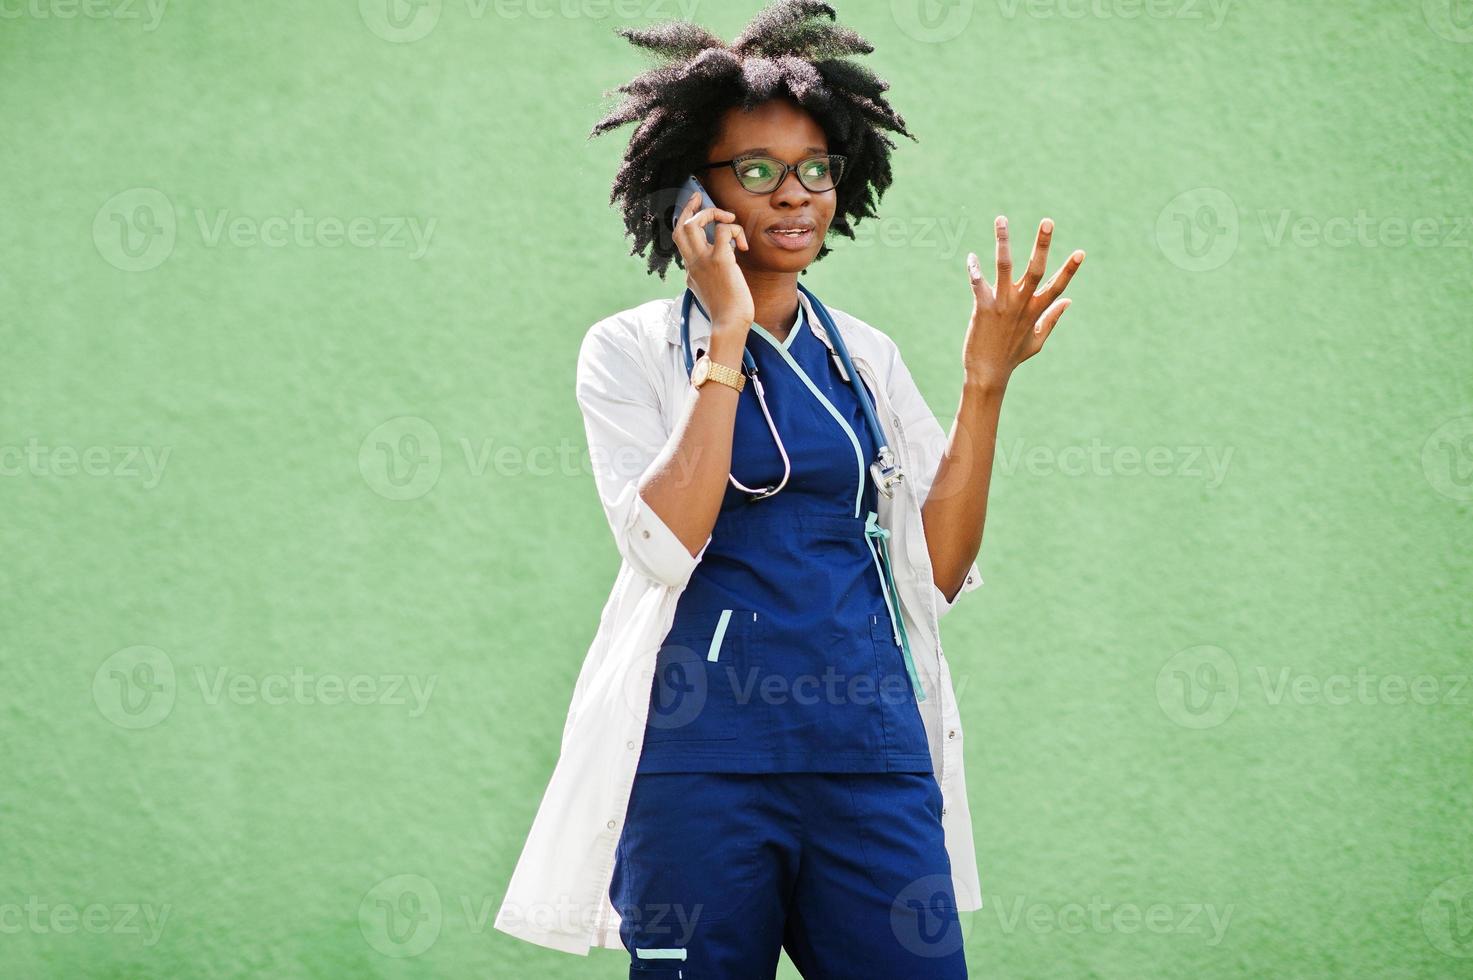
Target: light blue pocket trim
<point>660,954</point>
<point>715,650</point>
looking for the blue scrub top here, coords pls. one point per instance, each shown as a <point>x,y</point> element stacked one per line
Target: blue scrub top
<point>783,655</point>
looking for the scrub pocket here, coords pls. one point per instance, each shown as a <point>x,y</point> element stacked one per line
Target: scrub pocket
<point>902,840</point>
<point>892,682</point>
<point>706,674</point>
<point>685,859</point>
<point>905,732</point>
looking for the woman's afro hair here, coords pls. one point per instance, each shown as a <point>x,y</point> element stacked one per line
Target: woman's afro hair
<point>792,49</point>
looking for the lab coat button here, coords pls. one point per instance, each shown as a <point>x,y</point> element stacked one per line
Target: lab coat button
<point>951,734</point>
<point>610,825</point>
<point>646,533</point>
<point>629,744</point>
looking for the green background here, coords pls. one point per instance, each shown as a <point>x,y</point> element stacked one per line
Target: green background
<point>1185,684</point>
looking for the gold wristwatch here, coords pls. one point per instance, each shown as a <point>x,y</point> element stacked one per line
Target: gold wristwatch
<point>706,369</point>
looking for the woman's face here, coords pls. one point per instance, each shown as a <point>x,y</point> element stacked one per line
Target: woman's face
<point>781,129</point>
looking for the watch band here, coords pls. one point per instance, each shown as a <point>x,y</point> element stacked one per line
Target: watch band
<point>730,377</point>
<point>709,370</point>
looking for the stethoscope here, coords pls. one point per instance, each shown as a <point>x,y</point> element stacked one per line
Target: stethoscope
<point>885,469</point>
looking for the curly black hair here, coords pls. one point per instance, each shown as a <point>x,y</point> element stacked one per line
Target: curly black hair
<point>788,50</point>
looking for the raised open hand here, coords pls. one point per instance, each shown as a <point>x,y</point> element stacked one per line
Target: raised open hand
<point>1010,321</point>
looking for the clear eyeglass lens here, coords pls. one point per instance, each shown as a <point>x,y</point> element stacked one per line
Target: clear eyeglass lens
<point>818,173</point>
<point>759,173</point>
<point>763,174</point>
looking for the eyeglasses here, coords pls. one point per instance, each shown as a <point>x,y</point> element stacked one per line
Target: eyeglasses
<point>763,175</point>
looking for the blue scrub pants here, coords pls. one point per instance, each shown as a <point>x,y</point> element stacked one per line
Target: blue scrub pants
<point>715,873</point>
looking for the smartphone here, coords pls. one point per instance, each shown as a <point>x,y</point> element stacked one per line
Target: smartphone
<point>691,188</point>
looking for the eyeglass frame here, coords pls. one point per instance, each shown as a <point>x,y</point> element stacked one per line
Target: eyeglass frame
<point>787,169</point>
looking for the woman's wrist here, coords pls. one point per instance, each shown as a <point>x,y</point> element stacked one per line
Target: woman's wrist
<point>985,381</point>
<point>727,344</point>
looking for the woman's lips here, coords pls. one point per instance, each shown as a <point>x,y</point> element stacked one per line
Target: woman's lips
<point>792,239</point>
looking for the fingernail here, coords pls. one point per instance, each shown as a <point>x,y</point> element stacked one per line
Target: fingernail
<point>1048,225</point>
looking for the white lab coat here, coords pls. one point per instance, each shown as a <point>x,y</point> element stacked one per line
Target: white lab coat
<point>632,388</point>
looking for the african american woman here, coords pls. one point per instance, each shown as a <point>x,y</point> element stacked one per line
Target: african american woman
<point>763,749</point>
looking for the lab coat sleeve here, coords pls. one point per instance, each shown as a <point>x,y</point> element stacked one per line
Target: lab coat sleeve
<point>928,443</point>
<point>626,433</point>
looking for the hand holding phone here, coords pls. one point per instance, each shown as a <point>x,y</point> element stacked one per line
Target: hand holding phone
<point>712,273</point>
<point>692,188</point>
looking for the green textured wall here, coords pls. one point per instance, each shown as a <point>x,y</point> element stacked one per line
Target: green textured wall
<point>301,556</point>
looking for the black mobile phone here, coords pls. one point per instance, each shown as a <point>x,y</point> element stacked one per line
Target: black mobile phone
<point>691,188</point>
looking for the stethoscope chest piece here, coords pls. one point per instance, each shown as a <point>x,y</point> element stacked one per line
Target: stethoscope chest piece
<point>886,472</point>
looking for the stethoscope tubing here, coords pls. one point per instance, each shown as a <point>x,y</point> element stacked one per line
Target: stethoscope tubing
<point>885,469</point>
<point>884,459</point>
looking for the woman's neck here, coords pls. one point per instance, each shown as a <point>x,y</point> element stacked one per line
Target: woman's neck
<point>774,300</point>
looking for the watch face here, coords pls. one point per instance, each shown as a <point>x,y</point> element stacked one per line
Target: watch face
<point>703,367</point>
